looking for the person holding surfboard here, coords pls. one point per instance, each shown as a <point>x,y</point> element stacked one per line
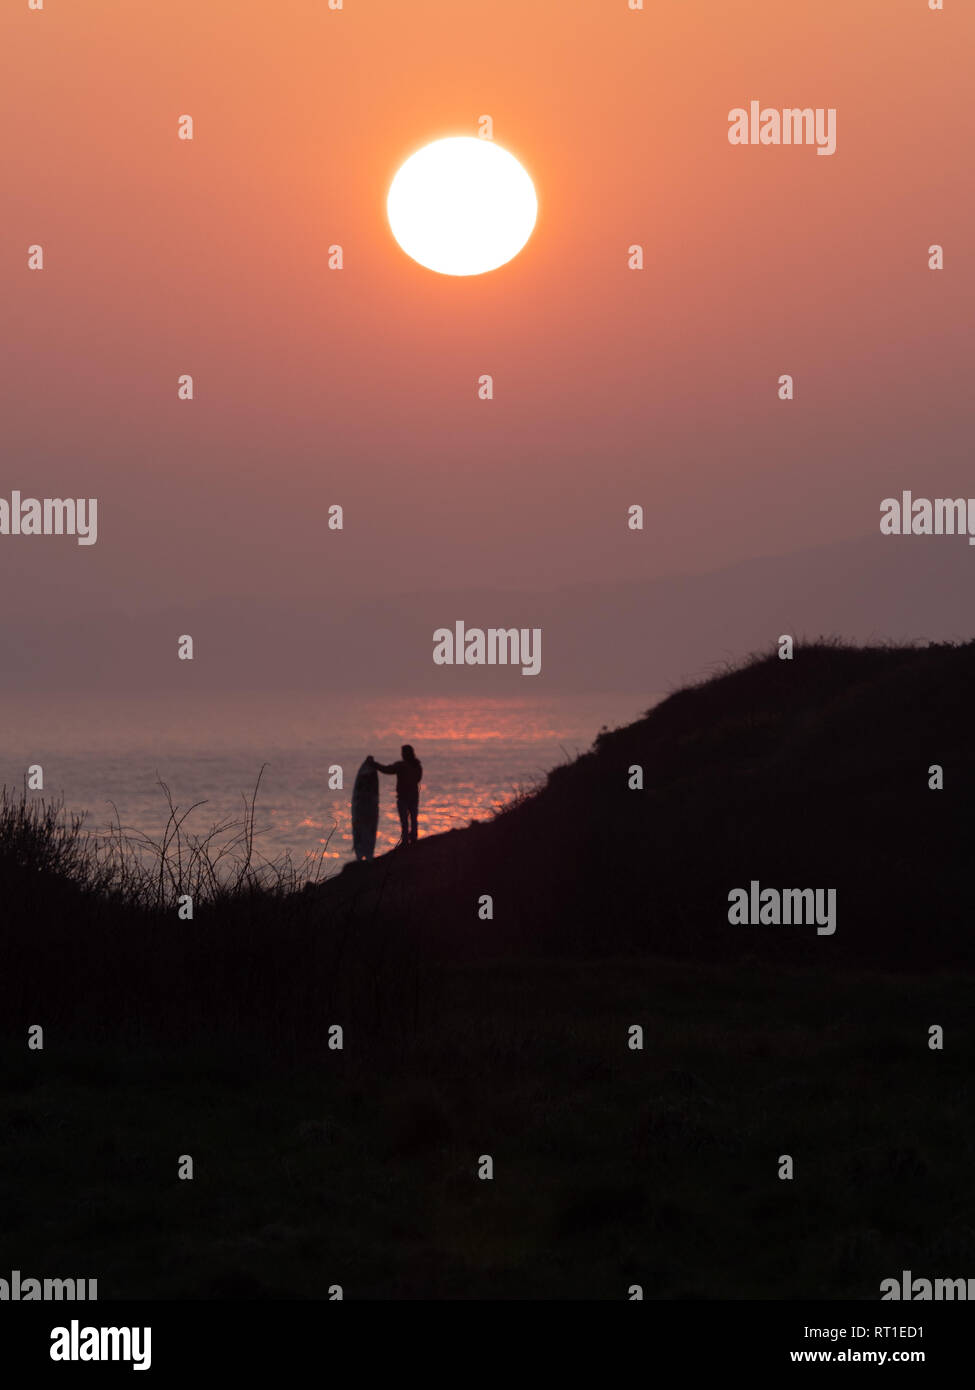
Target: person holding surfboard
<point>408,773</point>
<point>365,809</point>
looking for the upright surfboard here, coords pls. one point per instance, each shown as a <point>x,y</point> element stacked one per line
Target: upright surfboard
<point>365,810</point>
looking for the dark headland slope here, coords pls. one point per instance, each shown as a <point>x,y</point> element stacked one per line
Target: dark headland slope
<point>818,772</point>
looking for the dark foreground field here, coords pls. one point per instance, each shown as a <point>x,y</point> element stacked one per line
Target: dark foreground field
<point>463,1037</point>
<point>612,1166</point>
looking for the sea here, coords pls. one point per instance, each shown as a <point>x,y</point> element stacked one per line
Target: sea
<point>110,759</point>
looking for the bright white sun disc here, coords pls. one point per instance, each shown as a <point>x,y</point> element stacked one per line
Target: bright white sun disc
<point>462,206</point>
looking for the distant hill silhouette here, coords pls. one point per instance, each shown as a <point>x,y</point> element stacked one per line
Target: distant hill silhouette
<point>663,631</point>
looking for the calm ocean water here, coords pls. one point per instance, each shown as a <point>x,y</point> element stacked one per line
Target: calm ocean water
<point>476,754</point>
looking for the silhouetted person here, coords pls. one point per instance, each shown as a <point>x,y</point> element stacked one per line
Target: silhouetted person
<point>409,772</point>
<point>365,809</point>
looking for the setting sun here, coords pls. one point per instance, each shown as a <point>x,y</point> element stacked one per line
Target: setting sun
<point>462,206</point>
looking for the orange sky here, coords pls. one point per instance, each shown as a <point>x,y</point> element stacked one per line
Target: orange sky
<point>358,386</point>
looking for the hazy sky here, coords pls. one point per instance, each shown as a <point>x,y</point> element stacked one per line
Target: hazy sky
<point>358,386</point>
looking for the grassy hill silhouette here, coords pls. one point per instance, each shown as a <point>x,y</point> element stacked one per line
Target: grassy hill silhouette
<point>810,772</point>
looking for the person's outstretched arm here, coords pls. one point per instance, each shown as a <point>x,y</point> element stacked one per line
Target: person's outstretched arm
<point>386,767</point>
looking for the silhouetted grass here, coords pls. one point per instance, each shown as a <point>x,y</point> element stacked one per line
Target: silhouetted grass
<point>138,871</point>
